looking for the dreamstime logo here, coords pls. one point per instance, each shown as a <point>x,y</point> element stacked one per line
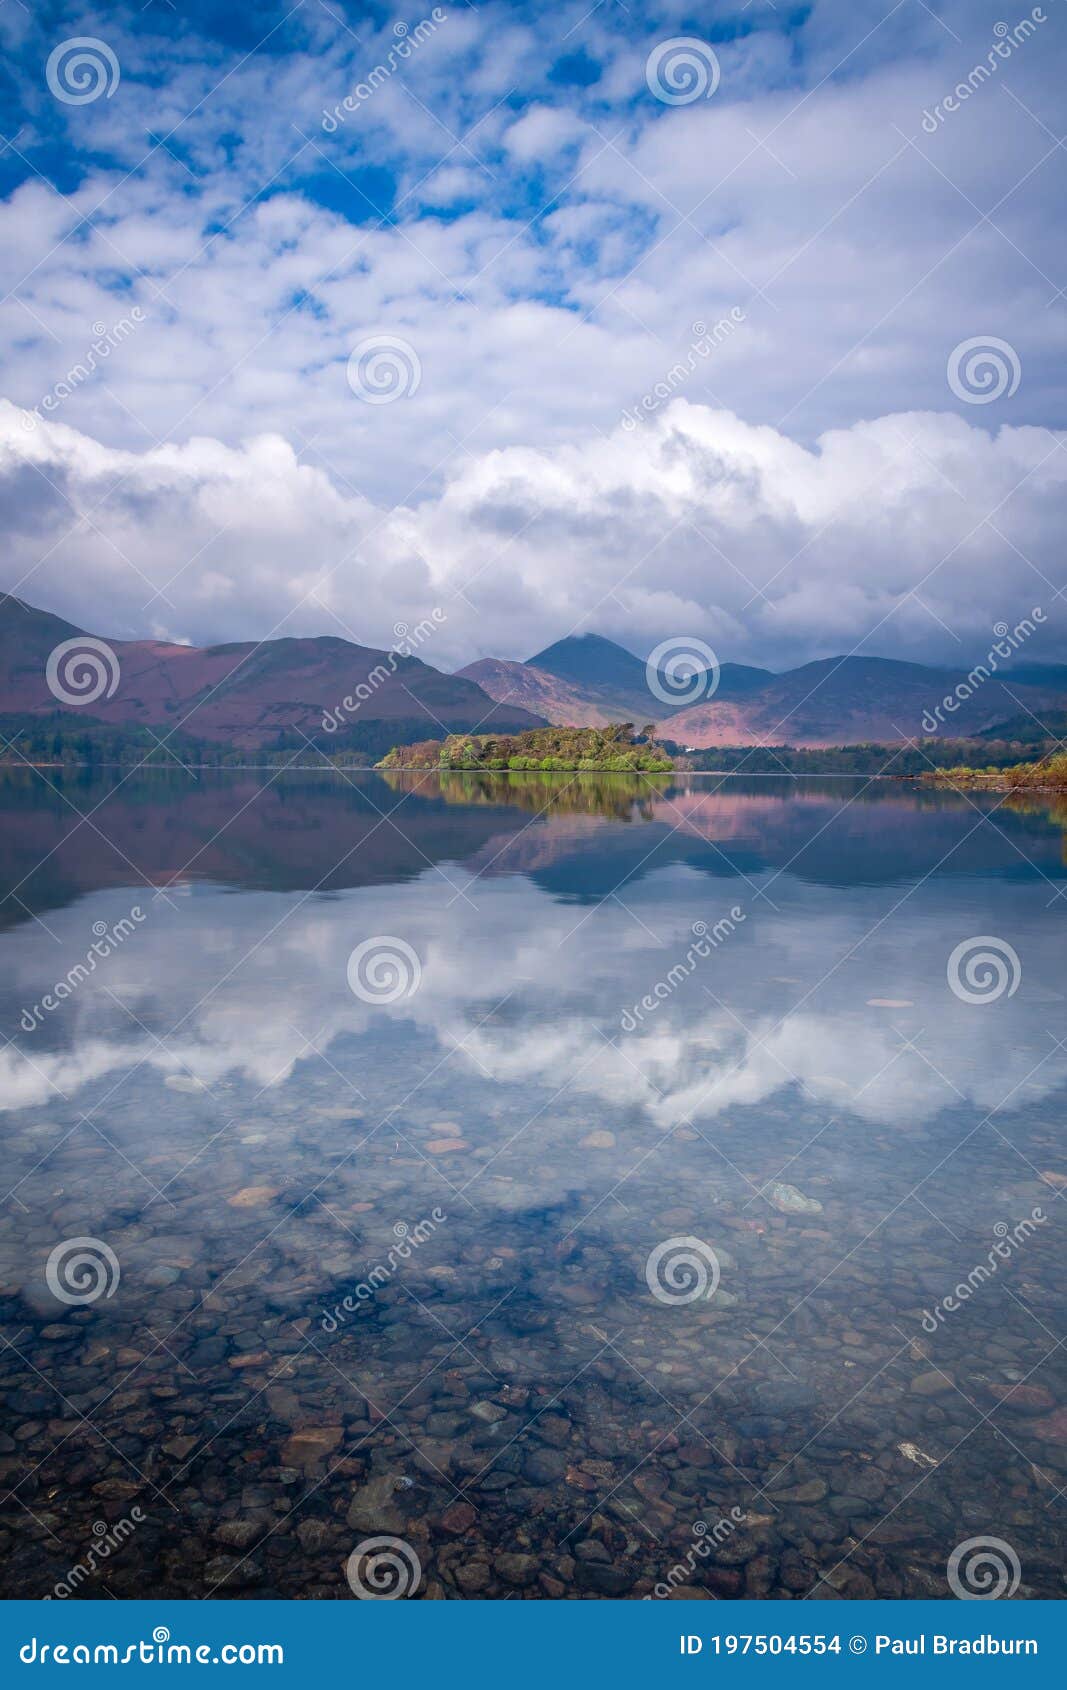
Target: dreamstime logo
<point>682,70</point>
<point>106,940</point>
<point>408,641</point>
<point>381,1569</point>
<point>702,347</point>
<point>404,45</point>
<point>1008,1240</point>
<point>382,368</point>
<point>1007,40</point>
<point>81,69</point>
<point>384,969</point>
<point>106,1540</point>
<point>105,341</point>
<point>81,670</point>
<point>707,1539</point>
<point>982,969</point>
<point>682,1270</point>
<point>681,670</point>
<point>1008,641</point>
<point>82,1270</point>
<point>408,1240</point>
<point>983,369</point>
<point>705,940</point>
<point>983,1569</point>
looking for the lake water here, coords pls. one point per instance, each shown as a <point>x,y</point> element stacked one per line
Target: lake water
<point>599,1188</point>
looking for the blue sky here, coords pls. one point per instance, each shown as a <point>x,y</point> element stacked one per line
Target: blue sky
<point>709,364</point>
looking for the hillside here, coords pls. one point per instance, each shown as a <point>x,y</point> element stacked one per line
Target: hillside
<point>590,681</point>
<point>836,701</point>
<point>246,694</point>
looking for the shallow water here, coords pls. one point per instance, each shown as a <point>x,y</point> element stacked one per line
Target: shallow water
<point>382,1259</point>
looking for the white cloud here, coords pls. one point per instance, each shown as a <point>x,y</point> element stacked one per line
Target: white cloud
<point>546,245</point>
<point>880,536</point>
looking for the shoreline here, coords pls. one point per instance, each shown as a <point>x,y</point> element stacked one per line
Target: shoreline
<point>373,768</point>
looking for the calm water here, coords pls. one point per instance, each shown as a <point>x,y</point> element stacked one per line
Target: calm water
<point>592,1021</point>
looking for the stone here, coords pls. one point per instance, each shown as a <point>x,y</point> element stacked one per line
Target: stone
<point>579,1480</point>
<point>459,1517</point>
<point>1024,1399</point>
<point>472,1576</point>
<point>311,1445</point>
<point>488,1412</point>
<point>315,1535</point>
<point>516,1569</point>
<point>239,1534</point>
<point>180,1447</point>
<point>373,1508</point>
<point>544,1466</point>
<point>606,1581</point>
<point>789,1201</point>
<point>813,1490</point>
<point>931,1384</point>
<point>1052,1429</point>
<point>252,1196</point>
<point>553,1429</point>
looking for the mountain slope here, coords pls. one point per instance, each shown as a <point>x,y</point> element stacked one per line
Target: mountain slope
<point>852,700</point>
<point>248,693</point>
<point>535,689</point>
<point>589,660</point>
<point>588,681</point>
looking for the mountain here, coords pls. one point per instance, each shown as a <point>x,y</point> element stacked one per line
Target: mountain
<point>852,700</point>
<point>249,694</point>
<point>589,660</point>
<point>588,681</point>
<point>276,694</point>
<point>535,689</point>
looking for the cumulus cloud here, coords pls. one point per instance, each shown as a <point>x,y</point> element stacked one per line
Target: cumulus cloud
<point>696,1058</point>
<point>912,534</point>
<point>513,203</point>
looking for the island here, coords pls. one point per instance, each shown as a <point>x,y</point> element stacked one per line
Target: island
<point>1047,774</point>
<point>615,748</point>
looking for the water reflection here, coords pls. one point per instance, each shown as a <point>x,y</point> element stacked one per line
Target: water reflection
<point>573,1081</point>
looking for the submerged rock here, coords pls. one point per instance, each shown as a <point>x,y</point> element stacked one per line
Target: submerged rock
<point>789,1201</point>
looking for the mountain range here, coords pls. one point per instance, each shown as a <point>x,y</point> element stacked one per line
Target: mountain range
<point>338,694</point>
<point>248,693</point>
<point>836,701</point>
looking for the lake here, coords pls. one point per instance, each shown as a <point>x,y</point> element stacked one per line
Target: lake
<point>594,1186</point>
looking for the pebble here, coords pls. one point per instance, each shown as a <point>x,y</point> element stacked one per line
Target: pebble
<point>459,1518</point>
<point>252,1196</point>
<point>1024,1399</point>
<point>311,1445</point>
<point>931,1384</point>
<point>516,1569</point>
<point>490,1413</point>
<point>472,1576</point>
<point>789,1201</point>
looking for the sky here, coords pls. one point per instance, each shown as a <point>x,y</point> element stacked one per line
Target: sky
<point>737,322</point>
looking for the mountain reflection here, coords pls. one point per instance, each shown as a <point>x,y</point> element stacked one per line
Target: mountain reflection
<point>578,836</point>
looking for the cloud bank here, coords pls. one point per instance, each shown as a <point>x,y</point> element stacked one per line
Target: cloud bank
<point>912,534</point>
